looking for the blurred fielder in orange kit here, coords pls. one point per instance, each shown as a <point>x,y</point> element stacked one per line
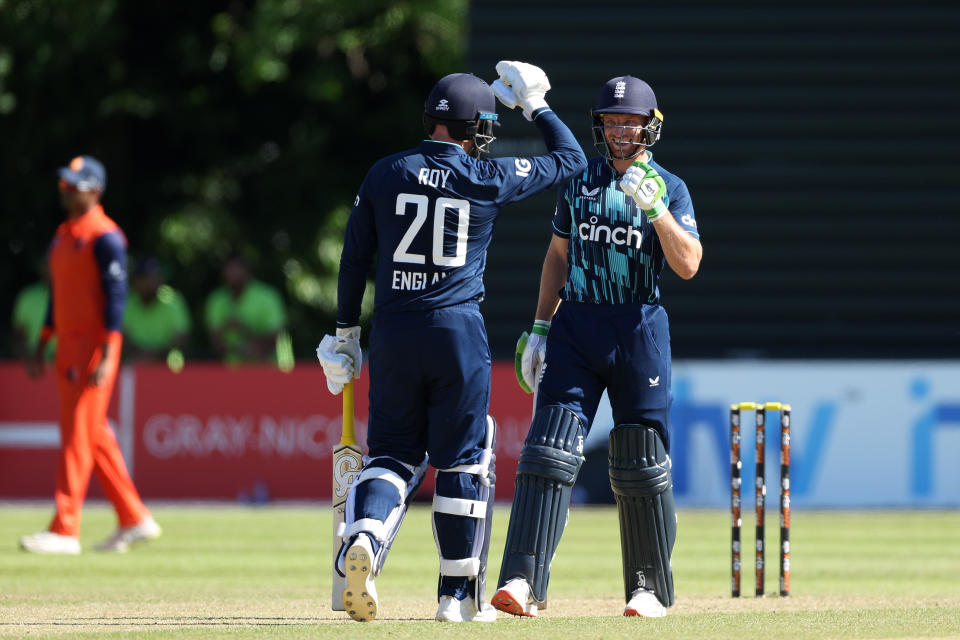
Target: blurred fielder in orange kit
<point>88,272</point>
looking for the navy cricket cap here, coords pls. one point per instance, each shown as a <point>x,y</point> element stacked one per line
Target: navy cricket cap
<point>460,96</point>
<point>626,94</point>
<point>85,173</point>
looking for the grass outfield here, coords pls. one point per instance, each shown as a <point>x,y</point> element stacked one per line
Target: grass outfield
<point>229,571</point>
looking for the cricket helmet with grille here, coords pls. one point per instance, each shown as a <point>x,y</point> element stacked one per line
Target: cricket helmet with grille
<point>628,95</point>
<point>465,104</point>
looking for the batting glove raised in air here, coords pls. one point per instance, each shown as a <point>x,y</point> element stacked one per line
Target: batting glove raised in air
<point>521,84</point>
<point>530,354</point>
<point>642,183</point>
<point>341,358</point>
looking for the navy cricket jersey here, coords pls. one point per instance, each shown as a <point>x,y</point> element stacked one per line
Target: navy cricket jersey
<point>428,214</point>
<point>614,255</point>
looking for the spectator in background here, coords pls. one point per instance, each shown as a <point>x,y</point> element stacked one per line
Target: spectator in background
<point>157,321</point>
<point>244,317</point>
<point>29,312</point>
<point>88,274</point>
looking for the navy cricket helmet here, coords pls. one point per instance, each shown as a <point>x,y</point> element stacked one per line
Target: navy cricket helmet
<point>626,94</point>
<point>465,104</point>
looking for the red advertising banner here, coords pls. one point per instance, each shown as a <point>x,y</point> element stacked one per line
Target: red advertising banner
<point>30,435</point>
<point>246,433</point>
<point>210,432</point>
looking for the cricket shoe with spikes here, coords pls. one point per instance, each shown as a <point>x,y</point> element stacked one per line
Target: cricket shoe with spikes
<point>514,598</point>
<point>453,610</point>
<point>360,596</point>
<point>644,603</point>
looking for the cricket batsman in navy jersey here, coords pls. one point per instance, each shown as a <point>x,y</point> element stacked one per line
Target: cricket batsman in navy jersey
<point>599,325</point>
<point>428,214</point>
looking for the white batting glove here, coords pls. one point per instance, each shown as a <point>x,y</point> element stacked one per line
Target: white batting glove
<point>530,354</point>
<point>341,358</point>
<point>642,183</point>
<point>521,84</point>
<point>504,94</point>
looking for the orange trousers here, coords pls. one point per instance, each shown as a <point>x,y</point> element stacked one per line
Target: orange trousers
<point>87,443</point>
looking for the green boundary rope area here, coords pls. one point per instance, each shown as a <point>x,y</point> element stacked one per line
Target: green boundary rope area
<point>225,570</point>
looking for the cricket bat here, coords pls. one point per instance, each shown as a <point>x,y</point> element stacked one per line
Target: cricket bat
<point>347,460</point>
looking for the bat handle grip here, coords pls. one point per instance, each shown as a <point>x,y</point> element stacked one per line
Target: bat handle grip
<point>347,434</point>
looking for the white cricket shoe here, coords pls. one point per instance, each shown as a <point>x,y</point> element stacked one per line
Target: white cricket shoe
<point>360,596</point>
<point>124,537</point>
<point>50,543</point>
<point>453,610</point>
<point>644,603</point>
<point>514,598</point>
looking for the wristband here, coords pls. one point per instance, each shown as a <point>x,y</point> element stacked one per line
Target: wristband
<point>657,211</point>
<point>349,333</point>
<point>541,327</point>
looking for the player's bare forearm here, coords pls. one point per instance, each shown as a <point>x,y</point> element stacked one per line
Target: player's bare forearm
<point>682,251</point>
<point>552,278</point>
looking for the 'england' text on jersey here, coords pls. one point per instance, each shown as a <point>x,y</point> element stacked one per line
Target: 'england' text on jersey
<point>414,280</point>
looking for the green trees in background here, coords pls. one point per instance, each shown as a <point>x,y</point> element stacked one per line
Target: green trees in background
<point>225,126</point>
